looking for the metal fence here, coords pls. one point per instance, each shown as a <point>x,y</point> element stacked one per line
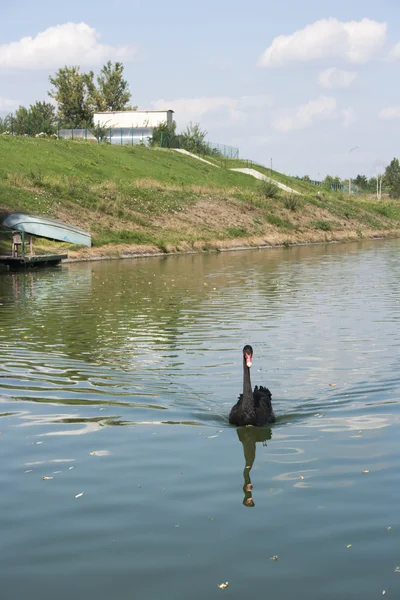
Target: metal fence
<point>141,135</point>
<point>117,135</point>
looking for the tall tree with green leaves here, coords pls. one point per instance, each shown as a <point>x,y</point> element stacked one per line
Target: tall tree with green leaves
<point>112,91</point>
<point>20,121</point>
<point>42,118</point>
<point>73,91</point>
<point>392,178</point>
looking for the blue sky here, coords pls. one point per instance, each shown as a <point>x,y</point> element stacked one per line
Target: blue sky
<point>299,82</point>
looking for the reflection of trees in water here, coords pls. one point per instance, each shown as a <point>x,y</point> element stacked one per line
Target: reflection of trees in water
<point>122,311</point>
<point>249,436</point>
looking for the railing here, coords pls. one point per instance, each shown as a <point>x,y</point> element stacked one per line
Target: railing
<point>142,135</point>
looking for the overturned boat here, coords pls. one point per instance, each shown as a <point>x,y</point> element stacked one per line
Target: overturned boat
<point>47,228</point>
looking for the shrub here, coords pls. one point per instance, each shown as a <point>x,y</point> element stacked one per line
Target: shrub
<point>291,202</point>
<point>37,178</point>
<point>235,232</point>
<point>278,222</point>
<point>268,189</point>
<point>324,225</point>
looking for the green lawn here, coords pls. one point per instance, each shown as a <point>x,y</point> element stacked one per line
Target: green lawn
<point>161,198</point>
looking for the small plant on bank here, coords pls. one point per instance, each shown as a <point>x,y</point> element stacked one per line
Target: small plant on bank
<point>291,202</point>
<point>278,222</point>
<point>101,132</point>
<point>268,189</point>
<point>236,232</point>
<point>323,225</point>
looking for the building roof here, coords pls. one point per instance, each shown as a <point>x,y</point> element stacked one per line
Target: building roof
<point>113,112</point>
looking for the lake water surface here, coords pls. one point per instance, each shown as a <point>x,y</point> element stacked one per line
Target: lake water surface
<point>116,381</point>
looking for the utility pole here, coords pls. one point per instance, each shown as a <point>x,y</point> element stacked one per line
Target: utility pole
<point>351,150</point>
<point>379,186</point>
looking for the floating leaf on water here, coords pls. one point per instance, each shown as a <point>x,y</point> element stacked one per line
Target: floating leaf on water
<point>366,471</point>
<point>271,489</point>
<point>79,495</point>
<point>46,478</point>
<point>222,586</point>
<point>275,557</point>
<point>348,545</point>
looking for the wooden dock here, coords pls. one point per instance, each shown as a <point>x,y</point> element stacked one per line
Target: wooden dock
<point>40,260</point>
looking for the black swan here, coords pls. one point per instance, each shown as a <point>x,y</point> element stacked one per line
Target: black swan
<point>253,408</point>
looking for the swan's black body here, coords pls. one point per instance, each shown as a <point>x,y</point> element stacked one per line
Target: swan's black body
<point>253,408</point>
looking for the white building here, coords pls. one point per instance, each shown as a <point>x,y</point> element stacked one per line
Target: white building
<point>133,119</point>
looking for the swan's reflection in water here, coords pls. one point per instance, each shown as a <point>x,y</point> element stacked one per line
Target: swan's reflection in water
<point>249,436</point>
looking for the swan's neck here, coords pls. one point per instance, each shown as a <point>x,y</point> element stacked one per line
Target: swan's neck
<point>247,391</point>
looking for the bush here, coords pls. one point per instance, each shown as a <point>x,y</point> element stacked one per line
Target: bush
<point>278,222</point>
<point>395,190</point>
<point>268,189</point>
<point>323,225</point>
<point>236,232</point>
<point>291,202</point>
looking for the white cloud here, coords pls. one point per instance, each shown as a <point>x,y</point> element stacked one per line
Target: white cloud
<point>305,115</point>
<point>336,78</point>
<point>396,51</point>
<point>354,41</point>
<point>70,43</point>
<point>390,113</point>
<point>6,104</point>
<point>193,109</point>
<point>348,115</point>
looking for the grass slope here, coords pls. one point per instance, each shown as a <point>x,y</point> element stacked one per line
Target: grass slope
<point>141,199</point>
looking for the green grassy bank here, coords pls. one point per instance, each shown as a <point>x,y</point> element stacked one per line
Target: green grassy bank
<point>136,199</point>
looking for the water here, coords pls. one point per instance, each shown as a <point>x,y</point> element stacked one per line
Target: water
<point>116,380</point>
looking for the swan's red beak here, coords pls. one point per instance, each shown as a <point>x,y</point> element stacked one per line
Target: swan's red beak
<point>248,358</point>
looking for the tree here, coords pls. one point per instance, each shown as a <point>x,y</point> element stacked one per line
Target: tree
<point>193,139</point>
<point>164,135</point>
<point>331,182</point>
<point>361,181</point>
<point>112,92</point>
<point>6,124</point>
<point>100,132</point>
<point>73,92</point>
<point>42,118</point>
<point>20,122</point>
<point>392,178</point>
